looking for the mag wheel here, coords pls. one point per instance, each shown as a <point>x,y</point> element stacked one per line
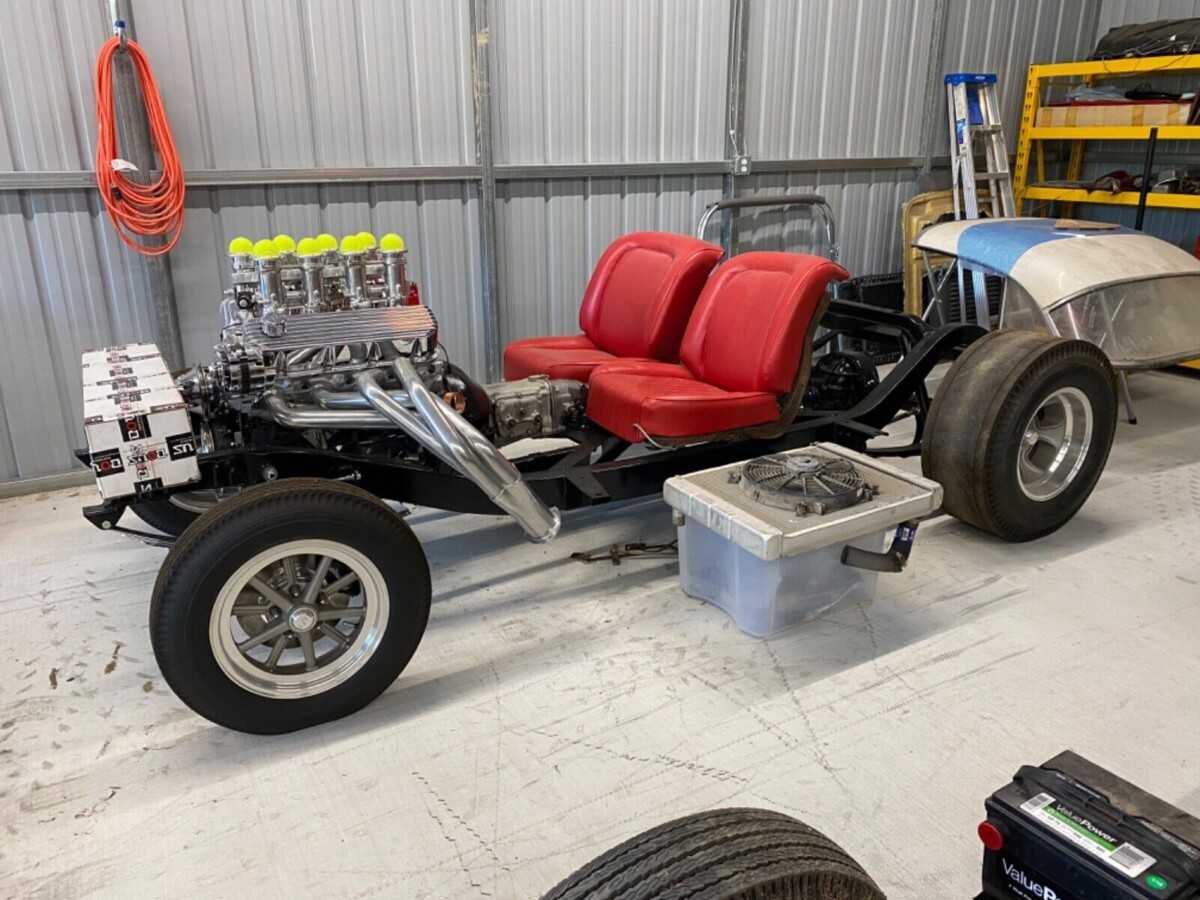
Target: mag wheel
<point>1019,432</point>
<point>293,604</point>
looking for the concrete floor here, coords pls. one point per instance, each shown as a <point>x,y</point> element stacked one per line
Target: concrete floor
<point>556,708</point>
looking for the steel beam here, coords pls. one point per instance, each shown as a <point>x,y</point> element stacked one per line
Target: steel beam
<point>484,154</point>
<point>935,94</point>
<point>137,146</point>
<point>219,178</point>
<point>735,112</point>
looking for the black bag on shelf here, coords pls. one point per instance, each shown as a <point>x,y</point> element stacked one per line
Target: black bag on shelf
<point>1165,37</point>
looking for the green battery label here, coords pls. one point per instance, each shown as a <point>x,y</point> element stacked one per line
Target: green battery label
<point>1086,834</point>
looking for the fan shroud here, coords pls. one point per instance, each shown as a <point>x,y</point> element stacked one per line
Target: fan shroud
<point>805,482</point>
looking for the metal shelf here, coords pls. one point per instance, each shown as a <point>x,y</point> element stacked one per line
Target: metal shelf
<point>1112,132</point>
<point>1125,198</point>
<point>1029,144</point>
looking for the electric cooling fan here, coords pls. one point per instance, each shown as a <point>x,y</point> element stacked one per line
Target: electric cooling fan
<point>805,483</point>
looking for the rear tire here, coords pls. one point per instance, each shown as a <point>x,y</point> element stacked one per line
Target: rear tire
<point>723,854</point>
<point>295,603</point>
<point>1019,432</point>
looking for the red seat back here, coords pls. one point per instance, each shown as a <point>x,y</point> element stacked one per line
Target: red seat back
<point>643,291</point>
<point>753,319</point>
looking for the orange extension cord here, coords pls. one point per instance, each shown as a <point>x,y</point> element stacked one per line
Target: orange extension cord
<point>137,209</point>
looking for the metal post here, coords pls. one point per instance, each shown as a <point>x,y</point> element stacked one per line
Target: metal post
<point>1147,170</point>
<point>933,88</point>
<point>138,148</point>
<point>735,115</point>
<point>481,78</point>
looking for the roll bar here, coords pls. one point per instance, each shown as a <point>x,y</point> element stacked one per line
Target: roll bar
<point>816,201</point>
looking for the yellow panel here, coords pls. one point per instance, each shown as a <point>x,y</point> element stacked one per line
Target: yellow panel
<point>1166,65</point>
<point>1125,198</point>
<point>1116,133</point>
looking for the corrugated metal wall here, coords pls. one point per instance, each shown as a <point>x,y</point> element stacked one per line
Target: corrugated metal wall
<point>598,82</point>
<point>65,284</point>
<point>282,84</point>
<point>842,80</point>
<point>264,85</point>
<point>829,80</point>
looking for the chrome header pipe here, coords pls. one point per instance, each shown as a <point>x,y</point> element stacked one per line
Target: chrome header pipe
<point>475,457</point>
<point>305,417</point>
<point>353,400</point>
<point>384,405</point>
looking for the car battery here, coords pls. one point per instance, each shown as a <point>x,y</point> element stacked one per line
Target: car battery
<point>1070,830</point>
<point>138,430</point>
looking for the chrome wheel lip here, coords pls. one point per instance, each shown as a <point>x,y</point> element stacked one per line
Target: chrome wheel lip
<point>1064,433</point>
<point>198,502</point>
<point>295,686</point>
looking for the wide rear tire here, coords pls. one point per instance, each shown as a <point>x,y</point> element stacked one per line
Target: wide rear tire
<point>291,604</point>
<point>723,854</point>
<point>1019,432</point>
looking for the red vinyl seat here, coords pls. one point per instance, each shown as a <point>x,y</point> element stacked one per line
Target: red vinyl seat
<point>747,346</point>
<point>637,305</point>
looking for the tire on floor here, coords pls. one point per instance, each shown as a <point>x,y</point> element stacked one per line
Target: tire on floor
<point>723,854</point>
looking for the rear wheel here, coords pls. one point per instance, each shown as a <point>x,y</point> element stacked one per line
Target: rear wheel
<point>295,603</point>
<point>723,854</point>
<point>1019,432</point>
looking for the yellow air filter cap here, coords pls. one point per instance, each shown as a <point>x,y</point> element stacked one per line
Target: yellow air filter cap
<point>239,246</point>
<point>265,249</point>
<point>285,243</point>
<point>351,244</point>
<point>391,242</point>
<point>326,241</point>
<point>308,247</point>
<point>366,239</point>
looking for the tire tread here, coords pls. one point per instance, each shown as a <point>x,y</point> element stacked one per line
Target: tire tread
<point>720,855</point>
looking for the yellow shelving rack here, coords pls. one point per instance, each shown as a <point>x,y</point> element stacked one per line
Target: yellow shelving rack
<point>1030,142</point>
<point>1033,136</point>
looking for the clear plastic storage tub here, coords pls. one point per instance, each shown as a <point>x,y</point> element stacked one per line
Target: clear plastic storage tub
<point>768,596</point>
<point>771,568</point>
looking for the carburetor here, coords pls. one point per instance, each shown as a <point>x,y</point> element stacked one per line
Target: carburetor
<point>299,314</point>
<point>317,275</point>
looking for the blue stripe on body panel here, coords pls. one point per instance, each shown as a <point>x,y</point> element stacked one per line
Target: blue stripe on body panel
<point>996,245</point>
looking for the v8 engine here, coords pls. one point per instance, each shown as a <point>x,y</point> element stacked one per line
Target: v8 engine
<point>331,342</point>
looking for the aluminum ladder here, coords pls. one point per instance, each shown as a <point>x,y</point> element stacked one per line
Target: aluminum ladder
<point>975,112</point>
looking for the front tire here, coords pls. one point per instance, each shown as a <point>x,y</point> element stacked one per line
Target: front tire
<point>295,603</point>
<point>1019,432</point>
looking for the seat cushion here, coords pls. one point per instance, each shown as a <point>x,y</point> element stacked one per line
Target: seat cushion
<point>642,292</point>
<point>571,357</point>
<point>751,326</point>
<point>666,401</point>
<point>643,367</point>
